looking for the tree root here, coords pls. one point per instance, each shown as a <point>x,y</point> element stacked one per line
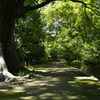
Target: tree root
<point>9,78</point>
<point>6,75</point>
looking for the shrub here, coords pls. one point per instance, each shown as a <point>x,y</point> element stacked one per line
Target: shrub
<point>93,62</point>
<point>76,63</point>
<point>91,66</point>
<point>22,73</point>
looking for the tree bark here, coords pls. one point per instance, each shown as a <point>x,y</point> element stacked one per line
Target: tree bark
<point>8,57</point>
<point>9,11</point>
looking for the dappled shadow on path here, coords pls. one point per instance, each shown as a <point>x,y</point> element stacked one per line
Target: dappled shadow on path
<point>58,72</point>
<point>55,84</point>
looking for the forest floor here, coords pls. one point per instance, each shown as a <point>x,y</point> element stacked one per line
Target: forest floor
<point>62,84</point>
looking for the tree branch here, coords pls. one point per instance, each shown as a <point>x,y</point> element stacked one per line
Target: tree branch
<point>24,9</point>
<point>87,5</point>
<point>21,9</point>
<point>79,2</point>
<point>29,8</point>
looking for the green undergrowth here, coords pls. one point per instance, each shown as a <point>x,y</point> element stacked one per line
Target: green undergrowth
<point>22,73</point>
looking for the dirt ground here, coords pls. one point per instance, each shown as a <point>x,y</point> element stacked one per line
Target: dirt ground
<point>61,84</point>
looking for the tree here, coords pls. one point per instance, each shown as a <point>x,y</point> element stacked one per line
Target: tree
<point>29,43</point>
<point>10,10</point>
<point>74,29</point>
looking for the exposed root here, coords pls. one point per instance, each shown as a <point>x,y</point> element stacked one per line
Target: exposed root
<point>4,73</point>
<point>2,77</point>
<point>8,74</point>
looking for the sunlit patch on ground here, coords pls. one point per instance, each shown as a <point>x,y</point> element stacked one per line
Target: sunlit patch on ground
<point>4,90</point>
<point>46,95</point>
<point>27,98</point>
<point>17,91</point>
<point>70,86</point>
<point>87,78</point>
<point>72,97</point>
<point>87,81</point>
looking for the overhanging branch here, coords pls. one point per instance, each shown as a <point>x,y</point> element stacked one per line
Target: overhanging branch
<point>79,2</point>
<point>21,9</point>
<point>89,6</point>
<point>28,8</point>
<point>24,9</point>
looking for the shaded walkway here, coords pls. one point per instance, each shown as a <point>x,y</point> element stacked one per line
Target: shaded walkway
<point>56,84</point>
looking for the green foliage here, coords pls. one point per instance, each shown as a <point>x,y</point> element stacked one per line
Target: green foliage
<point>76,64</point>
<point>32,2</point>
<point>22,73</point>
<point>62,30</point>
<point>29,37</point>
<point>74,30</point>
<point>90,51</point>
<point>93,62</point>
<point>92,66</point>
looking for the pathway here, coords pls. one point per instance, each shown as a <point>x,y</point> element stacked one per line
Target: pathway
<point>63,84</point>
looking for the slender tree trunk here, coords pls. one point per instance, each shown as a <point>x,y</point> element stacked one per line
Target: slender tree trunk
<point>8,57</point>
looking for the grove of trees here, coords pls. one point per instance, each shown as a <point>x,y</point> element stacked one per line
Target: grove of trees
<point>65,30</point>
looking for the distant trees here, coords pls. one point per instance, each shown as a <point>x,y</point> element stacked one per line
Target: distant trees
<point>70,30</point>
<point>65,30</point>
<point>74,30</point>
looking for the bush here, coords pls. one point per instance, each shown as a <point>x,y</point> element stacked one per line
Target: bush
<point>91,66</point>
<point>76,63</point>
<point>93,62</point>
<point>22,73</point>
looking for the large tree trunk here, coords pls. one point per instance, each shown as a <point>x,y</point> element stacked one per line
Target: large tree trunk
<point>8,58</point>
<point>9,10</point>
